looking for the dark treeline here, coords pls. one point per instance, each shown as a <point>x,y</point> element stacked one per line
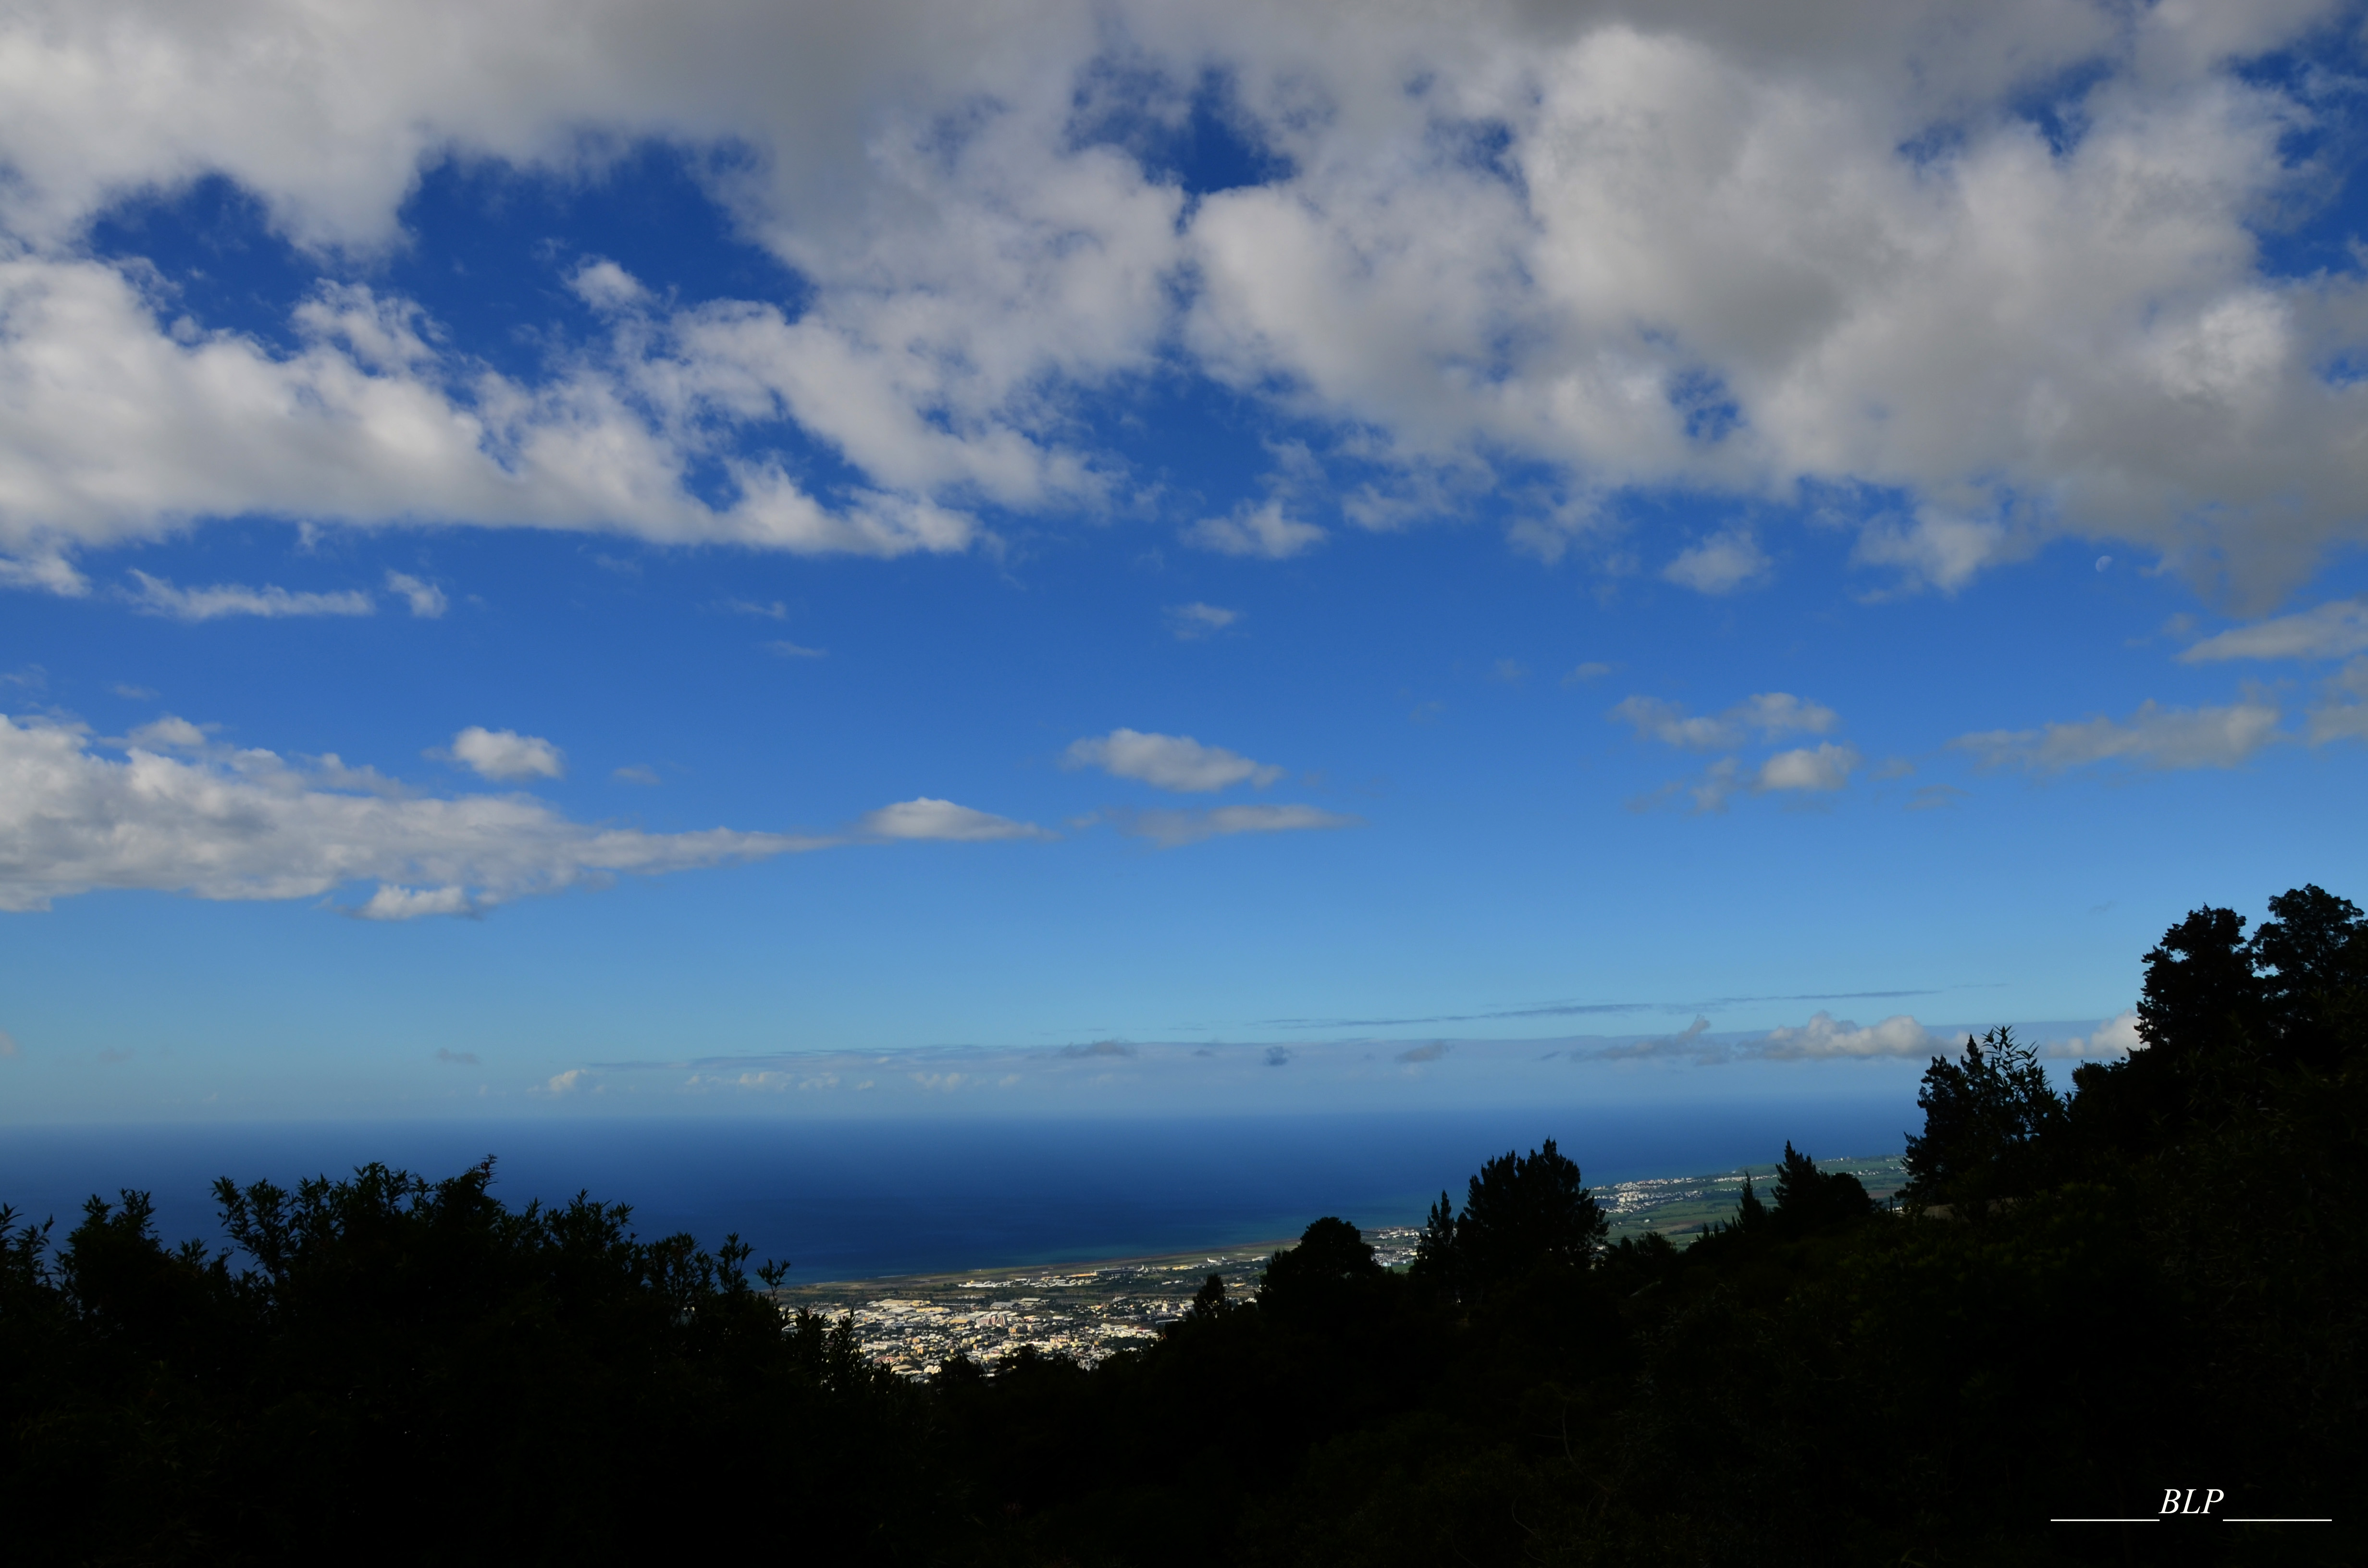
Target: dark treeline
<point>2084,1301</point>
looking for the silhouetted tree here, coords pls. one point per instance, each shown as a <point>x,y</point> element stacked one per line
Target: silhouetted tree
<point>2311,957</point>
<point>1809,1201</point>
<point>1983,1121</point>
<point>1522,1214</point>
<point>1325,1280</point>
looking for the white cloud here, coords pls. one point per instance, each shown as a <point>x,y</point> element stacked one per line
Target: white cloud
<point>46,571</point>
<point>636,773</point>
<point>1173,829</point>
<point>1170,762</point>
<point>566,1083</point>
<point>169,733</point>
<point>1827,768</point>
<point>2154,736</point>
<point>1944,551</point>
<point>426,600</point>
<point>1591,670</point>
<point>1699,249</point>
<point>605,286</point>
<point>250,824</point>
<point>114,431</point>
<point>1720,564</point>
<point>158,596</point>
<point>788,650</point>
<point>2116,1036</point>
<point>2332,631</point>
<point>392,902</point>
<point>1263,531</point>
<point>1194,621</point>
<point>1824,1036</point>
<point>1771,714</point>
<point>930,819</point>
<point>506,756</point>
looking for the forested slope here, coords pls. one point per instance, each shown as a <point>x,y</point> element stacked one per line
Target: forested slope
<point>2153,1282</point>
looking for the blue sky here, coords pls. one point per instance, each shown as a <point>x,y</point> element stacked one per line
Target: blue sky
<point>1059,557</point>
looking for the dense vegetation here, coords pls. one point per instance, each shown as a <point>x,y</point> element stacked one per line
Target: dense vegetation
<point>2155,1281</point>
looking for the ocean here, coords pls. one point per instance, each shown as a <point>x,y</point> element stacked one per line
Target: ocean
<point>857,1199</point>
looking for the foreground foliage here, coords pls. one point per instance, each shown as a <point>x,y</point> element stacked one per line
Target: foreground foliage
<point>2155,1281</point>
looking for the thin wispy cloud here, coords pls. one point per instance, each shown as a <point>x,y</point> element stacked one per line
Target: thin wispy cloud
<point>2332,631</point>
<point>222,600</point>
<point>1767,715</point>
<point>1175,829</point>
<point>2154,737</point>
<point>1192,622</point>
<point>1264,531</point>
<point>1722,563</point>
<point>1586,1009</point>
<point>925,819</point>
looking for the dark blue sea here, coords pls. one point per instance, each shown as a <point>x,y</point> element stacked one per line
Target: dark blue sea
<point>855,1199</point>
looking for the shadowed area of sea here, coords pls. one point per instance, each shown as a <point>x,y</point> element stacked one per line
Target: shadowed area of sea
<point>858,1199</point>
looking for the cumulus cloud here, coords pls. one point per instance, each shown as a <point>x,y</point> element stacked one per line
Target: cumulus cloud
<point>506,756</point>
<point>250,825</point>
<point>2116,1036</point>
<point>2000,260</point>
<point>1262,531</point>
<point>605,286</point>
<point>1431,1051</point>
<point>1194,621</point>
<point>158,597</point>
<point>930,819</point>
<point>1174,829</point>
<point>426,599</point>
<point>1170,762</point>
<point>1824,1036</point>
<point>1770,714</point>
<point>1825,769</point>
<point>168,733</point>
<point>1720,564</point>
<point>116,431</point>
<point>2332,631</point>
<point>2154,736</point>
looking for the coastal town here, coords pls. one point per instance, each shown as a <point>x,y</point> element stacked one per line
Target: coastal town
<point>916,1324</point>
